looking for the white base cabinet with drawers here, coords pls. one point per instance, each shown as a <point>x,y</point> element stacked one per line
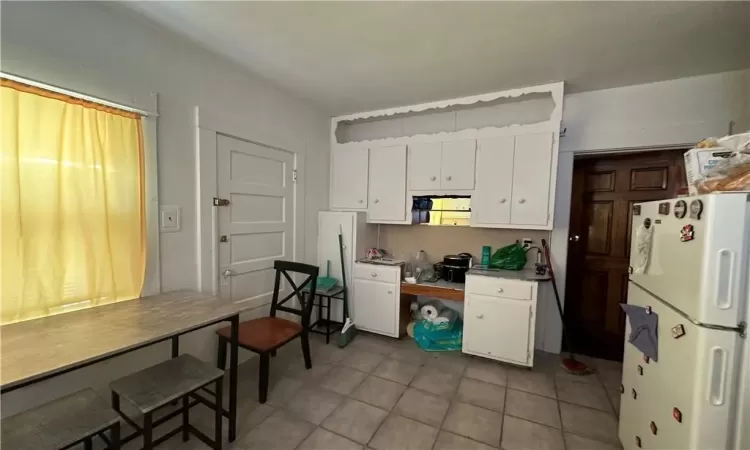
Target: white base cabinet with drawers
<point>376,298</point>
<point>499,319</point>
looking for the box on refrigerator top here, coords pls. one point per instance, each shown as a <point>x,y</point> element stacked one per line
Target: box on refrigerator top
<point>698,161</point>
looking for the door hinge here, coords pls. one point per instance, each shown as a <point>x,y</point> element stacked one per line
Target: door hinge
<point>294,175</point>
<point>220,201</point>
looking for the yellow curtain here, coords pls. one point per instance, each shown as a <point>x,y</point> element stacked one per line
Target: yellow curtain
<point>72,192</point>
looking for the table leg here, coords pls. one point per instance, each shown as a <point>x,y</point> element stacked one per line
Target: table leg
<point>175,346</point>
<point>233,355</point>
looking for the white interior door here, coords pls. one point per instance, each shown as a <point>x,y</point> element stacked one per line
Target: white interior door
<point>259,221</point>
<point>491,201</point>
<point>424,166</point>
<point>531,179</point>
<point>457,167</point>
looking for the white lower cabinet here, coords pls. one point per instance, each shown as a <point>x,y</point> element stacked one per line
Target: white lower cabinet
<point>498,327</point>
<point>376,298</point>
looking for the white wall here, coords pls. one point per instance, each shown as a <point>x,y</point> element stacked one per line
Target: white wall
<point>101,50</point>
<point>675,112</point>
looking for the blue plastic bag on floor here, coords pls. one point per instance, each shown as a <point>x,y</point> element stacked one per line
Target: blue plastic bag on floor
<point>433,340</point>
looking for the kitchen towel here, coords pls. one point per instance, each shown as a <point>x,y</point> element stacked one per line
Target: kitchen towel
<point>643,329</point>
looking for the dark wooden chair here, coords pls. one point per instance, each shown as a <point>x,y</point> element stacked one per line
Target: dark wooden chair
<point>266,334</point>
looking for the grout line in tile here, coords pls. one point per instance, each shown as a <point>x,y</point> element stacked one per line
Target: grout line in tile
<point>559,413</point>
<point>505,408</point>
<point>587,407</point>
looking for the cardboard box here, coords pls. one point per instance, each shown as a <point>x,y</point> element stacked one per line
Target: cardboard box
<point>698,161</point>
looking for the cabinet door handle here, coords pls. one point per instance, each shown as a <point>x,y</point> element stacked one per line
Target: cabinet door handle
<point>377,200</point>
<point>360,201</point>
<point>390,292</point>
<point>448,177</point>
<point>433,178</point>
<point>374,274</point>
<point>481,316</point>
<point>502,200</point>
<point>500,291</point>
<point>522,200</point>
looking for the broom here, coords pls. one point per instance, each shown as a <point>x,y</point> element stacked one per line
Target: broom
<point>570,364</point>
<point>348,331</point>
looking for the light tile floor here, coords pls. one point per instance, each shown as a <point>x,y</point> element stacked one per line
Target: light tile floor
<point>386,394</point>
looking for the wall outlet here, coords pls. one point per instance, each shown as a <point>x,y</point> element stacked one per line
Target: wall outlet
<point>526,243</point>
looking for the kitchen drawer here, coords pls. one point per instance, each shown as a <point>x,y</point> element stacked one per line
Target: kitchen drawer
<point>498,287</point>
<point>386,274</point>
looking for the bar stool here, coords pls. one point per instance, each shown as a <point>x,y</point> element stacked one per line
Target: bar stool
<point>62,423</point>
<point>157,386</point>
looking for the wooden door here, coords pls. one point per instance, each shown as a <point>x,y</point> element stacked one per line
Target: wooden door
<point>604,190</point>
<point>490,204</point>
<point>532,160</point>
<point>259,221</point>
<point>424,166</point>
<point>457,166</point>
<point>387,196</point>
<point>349,178</point>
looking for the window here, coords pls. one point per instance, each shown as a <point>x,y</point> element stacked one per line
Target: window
<point>72,194</point>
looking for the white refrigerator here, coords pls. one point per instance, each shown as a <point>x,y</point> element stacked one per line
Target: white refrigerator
<point>689,266</point>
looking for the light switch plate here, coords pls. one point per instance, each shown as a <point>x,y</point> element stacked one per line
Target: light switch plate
<point>170,220</point>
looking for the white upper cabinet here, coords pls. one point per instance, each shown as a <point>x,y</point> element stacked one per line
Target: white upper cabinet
<point>491,202</point>
<point>442,166</point>
<point>458,164</point>
<point>532,176</point>
<point>387,191</point>
<point>424,166</point>
<point>349,170</point>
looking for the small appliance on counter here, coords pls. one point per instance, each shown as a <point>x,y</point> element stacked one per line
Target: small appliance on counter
<point>454,267</point>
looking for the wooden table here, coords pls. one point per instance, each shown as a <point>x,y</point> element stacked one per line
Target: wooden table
<point>35,350</point>
<point>440,289</point>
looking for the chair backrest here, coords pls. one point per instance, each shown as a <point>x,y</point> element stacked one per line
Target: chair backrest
<point>305,302</point>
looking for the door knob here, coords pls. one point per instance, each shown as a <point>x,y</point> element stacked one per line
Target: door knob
<point>502,200</point>
<point>448,178</point>
<point>574,238</point>
<point>227,273</point>
<point>523,200</point>
<point>433,178</point>
<point>376,200</point>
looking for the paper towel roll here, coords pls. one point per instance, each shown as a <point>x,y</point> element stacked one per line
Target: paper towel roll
<point>429,311</point>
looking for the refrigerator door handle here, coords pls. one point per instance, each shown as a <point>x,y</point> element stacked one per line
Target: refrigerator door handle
<point>717,377</point>
<point>724,278</point>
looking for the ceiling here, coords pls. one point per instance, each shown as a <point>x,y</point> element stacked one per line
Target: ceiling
<point>357,56</point>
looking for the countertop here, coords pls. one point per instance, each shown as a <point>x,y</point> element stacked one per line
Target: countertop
<point>523,274</point>
<point>440,284</point>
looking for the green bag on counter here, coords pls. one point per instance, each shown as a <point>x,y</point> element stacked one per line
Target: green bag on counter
<point>510,257</point>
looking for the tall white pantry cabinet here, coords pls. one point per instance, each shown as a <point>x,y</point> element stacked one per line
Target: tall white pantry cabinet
<point>508,171</point>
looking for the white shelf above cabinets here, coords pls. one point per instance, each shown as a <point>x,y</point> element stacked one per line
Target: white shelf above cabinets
<point>442,166</point>
<point>349,171</point>
<point>510,171</point>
